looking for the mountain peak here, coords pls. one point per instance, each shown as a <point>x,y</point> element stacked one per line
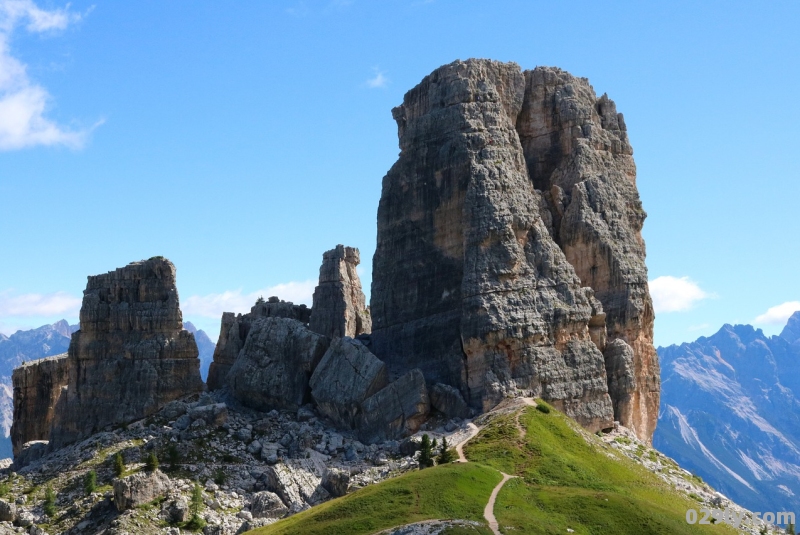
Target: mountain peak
<point>791,332</point>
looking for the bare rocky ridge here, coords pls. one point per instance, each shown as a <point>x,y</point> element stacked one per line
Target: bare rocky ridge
<point>339,307</point>
<point>512,203</point>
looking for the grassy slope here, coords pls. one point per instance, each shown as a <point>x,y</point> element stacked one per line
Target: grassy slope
<point>564,483</point>
<point>450,491</point>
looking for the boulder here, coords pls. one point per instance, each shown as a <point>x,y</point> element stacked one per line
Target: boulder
<point>139,489</point>
<point>448,401</point>
<point>274,366</point>
<point>336,481</point>
<point>235,328</point>
<point>214,414</point>
<point>30,452</point>
<point>266,504</point>
<point>8,511</point>
<point>396,411</point>
<point>339,304</point>
<point>347,375</point>
<point>131,356</point>
<point>297,482</point>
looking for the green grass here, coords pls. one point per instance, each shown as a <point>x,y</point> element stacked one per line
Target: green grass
<point>449,491</point>
<point>565,482</point>
<point>569,482</point>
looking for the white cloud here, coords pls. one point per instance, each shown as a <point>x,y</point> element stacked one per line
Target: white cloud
<point>378,81</point>
<point>213,305</point>
<point>779,315</point>
<point>23,103</point>
<point>52,304</point>
<point>674,294</point>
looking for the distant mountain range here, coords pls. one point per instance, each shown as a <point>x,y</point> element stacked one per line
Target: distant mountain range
<point>50,340</point>
<point>730,411</point>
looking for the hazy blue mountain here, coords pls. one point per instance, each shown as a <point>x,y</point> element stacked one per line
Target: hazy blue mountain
<point>730,411</point>
<point>34,344</point>
<point>204,345</point>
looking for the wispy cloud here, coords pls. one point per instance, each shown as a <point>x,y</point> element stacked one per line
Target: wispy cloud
<point>378,81</point>
<point>675,294</point>
<point>213,305</point>
<point>33,304</point>
<point>23,103</point>
<point>778,315</point>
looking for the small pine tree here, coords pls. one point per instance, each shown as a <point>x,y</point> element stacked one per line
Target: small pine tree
<point>445,455</point>
<point>260,299</point>
<point>119,465</point>
<point>151,462</point>
<point>790,528</point>
<point>196,504</point>
<point>49,501</point>
<point>434,445</point>
<point>426,452</point>
<point>90,482</point>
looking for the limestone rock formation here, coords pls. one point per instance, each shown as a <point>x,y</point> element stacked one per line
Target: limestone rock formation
<point>346,376</point>
<point>578,155</point>
<point>275,364</point>
<point>396,411</point>
<point>37,387</point>
<point>339,307</point>
<point>234,329</point>
<point>131,356</point>
<point>468,284</point>
<point>139,489</point>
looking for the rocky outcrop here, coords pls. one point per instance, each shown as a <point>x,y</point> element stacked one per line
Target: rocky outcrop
<point>37,387</point>
<point>139,489</point>
<point>396,411</point>
<point>468,283</point>
<point>346,376</point>
<point>235,328</point>
<point>579,157</point>
<point>448,401</point>
<point>275,364</point>
<point>131,356</point>
<point>339,307</point>
<point>791,331</point>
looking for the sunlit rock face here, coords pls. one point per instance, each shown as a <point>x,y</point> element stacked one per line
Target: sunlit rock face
<point>509,253</point>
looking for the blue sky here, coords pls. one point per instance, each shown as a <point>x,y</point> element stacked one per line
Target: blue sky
<point>243,139</point>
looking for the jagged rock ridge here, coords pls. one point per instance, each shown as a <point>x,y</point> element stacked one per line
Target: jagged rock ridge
<point>730,414</point>
<point>509,251</point>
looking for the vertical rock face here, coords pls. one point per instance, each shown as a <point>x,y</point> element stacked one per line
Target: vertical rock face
<point>131,355</point>
<point>578,155</point>
<point>37,387</point>
<point>235,328</point>
<point>339,307</point>
<point>275,364</point>
<point>484,274</point>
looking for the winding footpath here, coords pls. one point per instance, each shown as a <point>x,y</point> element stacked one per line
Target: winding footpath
<point>488,511</point>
